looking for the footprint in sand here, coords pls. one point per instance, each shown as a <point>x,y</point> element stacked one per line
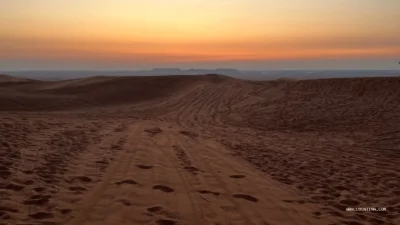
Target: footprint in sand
<point>189,134</point>
<point>163,188</point>
<point>295,201</point>
<point>4,210</point>
<point>37,200</point>
<point>28,182</point>
<point>165,222</point>
<point>237,176</point>
<point>65,211</point>
<point>41,215</point>
<point>83,179</point>
<point>39,189</point>
<point>125,202</point>
<point>192,169</point>
<point>14,187</point>
<point>129,181</point>
<point>28,172</point>
<point>101,162</point>
<point>209,192</point>
<point>155,209</point>
<point>153,131</point>
<point>145,167</point>
<point>77,188</point>
<point>317,213</point>
<point>246,197</point>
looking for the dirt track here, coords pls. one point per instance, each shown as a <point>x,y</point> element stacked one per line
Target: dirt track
<point>199,150</point>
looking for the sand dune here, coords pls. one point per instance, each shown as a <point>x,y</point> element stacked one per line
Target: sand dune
<point>91,92</point>
<point>199,150</point>
<point>10,79</point>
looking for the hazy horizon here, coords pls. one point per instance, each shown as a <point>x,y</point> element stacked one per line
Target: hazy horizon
<point>240,34</point>
<point>186,69</point>
<point>53,75</point>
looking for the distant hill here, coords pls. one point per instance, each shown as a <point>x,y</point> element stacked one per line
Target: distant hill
<point>243,74</point>
<point>7,78</point>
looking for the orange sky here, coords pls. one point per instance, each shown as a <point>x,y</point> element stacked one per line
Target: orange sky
<point>178,31</point>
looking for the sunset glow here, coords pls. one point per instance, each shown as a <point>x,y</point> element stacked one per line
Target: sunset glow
<point>178,31</point>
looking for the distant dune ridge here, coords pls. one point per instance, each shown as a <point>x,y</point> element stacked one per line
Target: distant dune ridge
<point>7,78</point>
<point>199,149</point>
<point>103,90</point>
<point>247,74</point>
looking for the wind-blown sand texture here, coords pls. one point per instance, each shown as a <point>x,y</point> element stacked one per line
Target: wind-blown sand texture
<point>199,150</point>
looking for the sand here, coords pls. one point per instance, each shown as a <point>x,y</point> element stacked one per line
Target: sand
<point>199,150</point>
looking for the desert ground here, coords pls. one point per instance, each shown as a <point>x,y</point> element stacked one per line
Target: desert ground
<point>199,150</point>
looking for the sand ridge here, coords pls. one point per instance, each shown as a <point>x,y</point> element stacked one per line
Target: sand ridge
<point>199,150</point>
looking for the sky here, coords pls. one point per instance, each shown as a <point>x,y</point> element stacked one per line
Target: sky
<point>241,34</point>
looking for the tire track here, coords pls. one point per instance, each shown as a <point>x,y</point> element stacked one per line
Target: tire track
<point>203,187</point>
<point>233,166</point>
<point>93,197</point>
<point>187,186</point>
<point>206,165</point>
<point>189,106</point>
<point>128,165</point>
<point>207,103</point>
